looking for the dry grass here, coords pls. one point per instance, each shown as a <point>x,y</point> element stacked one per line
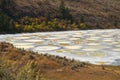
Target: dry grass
<point>18,64</point>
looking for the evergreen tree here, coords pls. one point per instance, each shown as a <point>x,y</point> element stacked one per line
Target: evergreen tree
<point>47,16</point>
<point>82,19</point>
<point>6,23</point>
<point>12,26</point>
<point>115,23</point>
<point>64,12</point>
<point>5,5</point>
<point>68,16</point>
<point>97,25</point>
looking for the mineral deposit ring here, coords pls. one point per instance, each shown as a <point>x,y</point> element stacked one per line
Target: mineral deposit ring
<point>46,48</point>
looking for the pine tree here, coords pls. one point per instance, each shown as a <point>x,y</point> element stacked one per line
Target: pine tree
<point>64,12</point>
<point>82,19</point>
<point>11,26</point>
<point>115,23</point>
<point>47,16</point>
<point>6,23</point>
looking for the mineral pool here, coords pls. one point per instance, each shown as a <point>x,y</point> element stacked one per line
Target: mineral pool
<point>101,47</point>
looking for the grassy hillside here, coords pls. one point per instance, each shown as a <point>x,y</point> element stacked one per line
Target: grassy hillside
<point>18,64</point>
<point>105,13</point>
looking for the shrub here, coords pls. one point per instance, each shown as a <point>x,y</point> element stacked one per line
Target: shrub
<point>28,28</point>
<point>83,26</point>
<point>29,72</point>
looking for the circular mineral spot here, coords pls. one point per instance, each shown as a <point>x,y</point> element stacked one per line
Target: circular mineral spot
<point>90,41</point>
<point>117,46</point>
<point>73,39</point>
<point>97,54</point>
<point>93,44</point>
<point>22,37</point>
<point>34,40</point>
<point>78,33</point>
<point>77,42</point>
<point>88,34</point>
<point>95,47</point>
<point>90,49</point>
<point>72,47</point>
<point>108,40</point>
<point>60,36</point>
<point>93,38</point>
<point>24,46</point>
<point>105,36</point>
<point>78,36</point>
<point>46,48</point>
<point>79,53</point>
<point>42,36</point>
<point>52,38</point>
<point>11,40</point>
<point>63,42</point>
<point>114,43</point>
<point>27,35</point>
<point>60,51</point>
<point>116,49</point>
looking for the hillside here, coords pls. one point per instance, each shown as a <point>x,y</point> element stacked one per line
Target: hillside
<point>103,12</point>
<point>18,64</point>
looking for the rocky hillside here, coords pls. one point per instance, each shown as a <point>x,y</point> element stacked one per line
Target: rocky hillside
<point>103,12</point>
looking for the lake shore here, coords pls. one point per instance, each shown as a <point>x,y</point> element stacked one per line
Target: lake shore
<point>55,67</point>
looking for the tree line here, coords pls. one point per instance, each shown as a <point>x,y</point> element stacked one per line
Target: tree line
<point>64,21</point>
<point>6,24</point>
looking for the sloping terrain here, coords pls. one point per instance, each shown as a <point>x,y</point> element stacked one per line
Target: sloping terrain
<point>104,12</point>
<point>16,64</point>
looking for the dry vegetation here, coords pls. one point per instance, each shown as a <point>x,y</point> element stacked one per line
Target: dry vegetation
<point>17,64</point>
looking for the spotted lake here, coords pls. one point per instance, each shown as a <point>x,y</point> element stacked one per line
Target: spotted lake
<point>93,46</point>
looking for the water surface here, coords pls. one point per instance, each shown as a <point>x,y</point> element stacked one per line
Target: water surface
<point>94,46</point>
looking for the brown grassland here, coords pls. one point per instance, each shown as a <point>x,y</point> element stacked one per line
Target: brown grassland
<point>18,64</point>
